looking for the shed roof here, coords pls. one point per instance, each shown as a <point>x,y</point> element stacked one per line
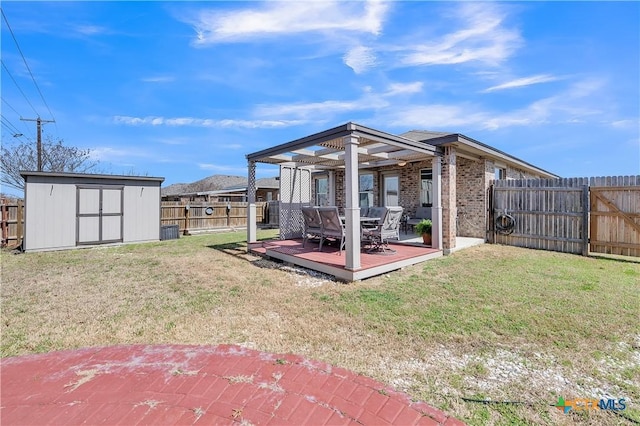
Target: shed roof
<point>26,173</point>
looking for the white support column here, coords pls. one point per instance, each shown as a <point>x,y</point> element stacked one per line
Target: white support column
<point>352,210</point>
<point>252,230</point>
<point>436,207</point>
<point>332,188</point>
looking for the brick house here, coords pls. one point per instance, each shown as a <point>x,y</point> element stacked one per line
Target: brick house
<point>351,166</point>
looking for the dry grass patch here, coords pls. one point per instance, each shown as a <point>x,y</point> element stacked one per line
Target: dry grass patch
<point>490,322</point>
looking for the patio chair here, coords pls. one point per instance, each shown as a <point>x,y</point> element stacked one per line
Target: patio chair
<point>332,226</point>
<point>421,213</point>
<point>379,212</point>
<point>312,224</point>
<point>388,228</point>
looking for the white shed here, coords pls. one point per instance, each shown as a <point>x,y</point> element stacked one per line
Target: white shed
<point>67,210</point>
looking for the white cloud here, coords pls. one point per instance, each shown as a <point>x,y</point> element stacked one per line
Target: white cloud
<point>369,101</point>
<point>106,153</point>
<point>404,88</point>
<point>311,110</point>
<point>623,124</point>
<point>281,18</point>
<point>158,79</point>
<point>565,107</point>
<point>89,30</point>
<point>521,82</point>
<point>231,146</point>
<point>360,59</point>
<point>172,141</point>
<point>203,122</point>
<point>437,116</point>
<point>482,37</point>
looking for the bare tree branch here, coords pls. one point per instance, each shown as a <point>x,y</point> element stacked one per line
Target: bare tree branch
<point>56,157</point>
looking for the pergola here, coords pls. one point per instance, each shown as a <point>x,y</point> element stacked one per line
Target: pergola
<point>350,147</point>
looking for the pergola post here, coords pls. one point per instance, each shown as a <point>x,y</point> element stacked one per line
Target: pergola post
<point>436,207</point>
<point>352,210</point>
<point>252,229</point>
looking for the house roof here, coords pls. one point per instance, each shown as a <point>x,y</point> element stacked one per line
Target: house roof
<point>264,183</point>
<point>473,148</point>
<point>326,150</point>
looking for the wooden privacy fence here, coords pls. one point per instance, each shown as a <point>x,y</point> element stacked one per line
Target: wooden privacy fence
<point>197,217</point>
<point>12,222</point>
<point>575,215</point>
<point>201,216</point>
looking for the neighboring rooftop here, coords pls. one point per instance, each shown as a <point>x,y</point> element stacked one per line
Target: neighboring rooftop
<point>218,183</point>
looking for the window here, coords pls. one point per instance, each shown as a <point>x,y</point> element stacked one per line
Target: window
<point>426,187</point>
<point>366,190</point>
<point>322,191</point>
<point>391,190</point>
<point>501,173</point>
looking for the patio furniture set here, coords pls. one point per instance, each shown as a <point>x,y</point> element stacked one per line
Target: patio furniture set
<point>377,224</point>
<point>411,221</point>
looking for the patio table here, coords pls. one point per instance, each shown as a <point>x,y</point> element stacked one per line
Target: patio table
<point>363,219</point>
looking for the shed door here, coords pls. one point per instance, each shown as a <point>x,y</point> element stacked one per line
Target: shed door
<point>99,214</point>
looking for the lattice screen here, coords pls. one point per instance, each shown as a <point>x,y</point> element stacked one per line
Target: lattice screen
<point>295,191</point>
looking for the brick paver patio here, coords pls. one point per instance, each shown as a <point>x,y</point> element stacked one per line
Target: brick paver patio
<point>176,384</point>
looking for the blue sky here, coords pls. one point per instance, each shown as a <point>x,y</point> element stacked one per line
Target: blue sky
<point>184,90</point>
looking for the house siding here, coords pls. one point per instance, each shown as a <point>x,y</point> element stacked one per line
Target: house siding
<point>471,185</point>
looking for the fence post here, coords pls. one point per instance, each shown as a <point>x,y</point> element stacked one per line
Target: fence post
<point>490,216</point>
<point>186,220</point>
<point>585,220</point>
<point>5,227</point>
<point>20,224</point>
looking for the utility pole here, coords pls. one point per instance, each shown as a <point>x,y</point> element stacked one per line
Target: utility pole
<point>39,122</point>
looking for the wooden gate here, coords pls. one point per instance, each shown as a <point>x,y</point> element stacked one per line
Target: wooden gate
<point>576,215</point>
<point>615,215</point>
<point>548,214</point>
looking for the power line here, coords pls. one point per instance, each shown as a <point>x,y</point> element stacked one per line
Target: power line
<point>10,130</point>
<point>18,86</point>
<point>13,130</point>
<point>9,105</point>
<point>14,110</point>
<point>27,65</point>
<point>9,125</point>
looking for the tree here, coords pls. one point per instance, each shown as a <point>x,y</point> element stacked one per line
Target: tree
<point>56,157</point>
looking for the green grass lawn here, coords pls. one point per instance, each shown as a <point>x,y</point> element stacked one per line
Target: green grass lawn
<point>516,327</point>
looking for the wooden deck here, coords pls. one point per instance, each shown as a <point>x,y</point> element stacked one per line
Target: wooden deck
<point>329,261</point>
